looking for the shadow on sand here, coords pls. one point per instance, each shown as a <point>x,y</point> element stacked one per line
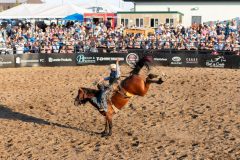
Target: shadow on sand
<point>7,113</point>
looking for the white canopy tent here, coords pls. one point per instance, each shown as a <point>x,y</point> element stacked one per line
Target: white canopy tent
<point>24,11</point>
<point>44,10</point>
<point>62,11</point>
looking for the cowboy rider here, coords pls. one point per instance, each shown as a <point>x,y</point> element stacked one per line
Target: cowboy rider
<point>112,78</point>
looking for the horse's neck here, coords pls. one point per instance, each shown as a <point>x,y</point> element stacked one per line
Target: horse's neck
<point>90,93</point>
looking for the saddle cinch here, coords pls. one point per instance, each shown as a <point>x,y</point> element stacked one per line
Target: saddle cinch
<point>110,90</point>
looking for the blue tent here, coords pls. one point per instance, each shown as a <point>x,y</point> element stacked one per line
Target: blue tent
<point>74,17</point>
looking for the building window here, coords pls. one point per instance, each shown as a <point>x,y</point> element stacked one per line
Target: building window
<point>196,19</point>
<point>170,21</point>
<point>139,22</point>
<point>124,22</point>
<point>154,23</point>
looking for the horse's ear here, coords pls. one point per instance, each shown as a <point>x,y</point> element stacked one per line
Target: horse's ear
<point>80,90</point>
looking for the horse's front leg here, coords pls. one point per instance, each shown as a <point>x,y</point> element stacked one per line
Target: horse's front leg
<point>105,132</point>
<point>110,127</point>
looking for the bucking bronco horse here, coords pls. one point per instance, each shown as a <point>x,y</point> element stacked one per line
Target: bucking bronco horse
<point>133,85</point>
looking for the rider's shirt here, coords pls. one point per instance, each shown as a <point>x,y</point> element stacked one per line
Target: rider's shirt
<point>113,75</point>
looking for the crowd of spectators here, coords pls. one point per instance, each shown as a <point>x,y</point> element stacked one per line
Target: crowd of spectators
<point>75,37</point>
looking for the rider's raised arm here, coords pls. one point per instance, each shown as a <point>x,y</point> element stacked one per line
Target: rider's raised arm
<point>118,71</point>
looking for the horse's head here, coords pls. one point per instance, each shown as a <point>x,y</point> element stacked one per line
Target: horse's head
<point>81,97</point>
<point>145,61</point>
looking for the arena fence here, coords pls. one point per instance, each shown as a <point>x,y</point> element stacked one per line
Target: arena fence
<point>161,58</point>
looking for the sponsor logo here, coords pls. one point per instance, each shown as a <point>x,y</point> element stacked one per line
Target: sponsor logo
<point>41,60</point>
<point>176,60</point>
<point>132,58</point>
<point>5,62</point>
<point>51,60</point>
<point>218,62</point>
<point>161,59</point>
<point>109,58</point>
<point>81,59</point>
<point>19,60</point>
<point>192,60</point>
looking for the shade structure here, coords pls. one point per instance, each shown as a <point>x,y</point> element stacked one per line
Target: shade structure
<point>44,10</point>
<point>61,11</point>
<point>74,17</point>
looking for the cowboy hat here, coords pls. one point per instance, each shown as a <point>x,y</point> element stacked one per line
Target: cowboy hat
<point>113,66</point>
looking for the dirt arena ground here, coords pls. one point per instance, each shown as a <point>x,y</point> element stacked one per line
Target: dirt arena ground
<point>195,114</point>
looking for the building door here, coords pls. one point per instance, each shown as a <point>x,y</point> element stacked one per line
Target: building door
<point>196,19</point>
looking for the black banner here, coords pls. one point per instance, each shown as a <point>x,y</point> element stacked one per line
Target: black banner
<point>27,60</point>
<point>159,57</point>
<point>7,61</point>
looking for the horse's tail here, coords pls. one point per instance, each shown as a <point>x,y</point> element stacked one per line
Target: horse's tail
<point>145,61</point>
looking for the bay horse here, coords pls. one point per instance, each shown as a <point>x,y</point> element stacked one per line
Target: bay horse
<point>129,87</point>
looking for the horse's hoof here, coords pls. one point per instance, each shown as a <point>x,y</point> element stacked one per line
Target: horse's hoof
<point>152,76</point>
<point>160,81</point>
<point>104,133</point>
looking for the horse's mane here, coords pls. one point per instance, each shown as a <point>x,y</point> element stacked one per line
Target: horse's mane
<point>140,64</point>
<point>89,90</point>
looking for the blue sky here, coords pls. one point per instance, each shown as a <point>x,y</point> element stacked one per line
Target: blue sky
<point>125,5</point>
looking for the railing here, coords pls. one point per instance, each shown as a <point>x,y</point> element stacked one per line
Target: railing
<point>70,49</point>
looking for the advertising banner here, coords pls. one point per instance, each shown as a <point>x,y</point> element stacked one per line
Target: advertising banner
<point>159,57</point>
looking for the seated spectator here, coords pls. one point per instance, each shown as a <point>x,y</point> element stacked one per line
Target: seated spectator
<point>63,49</point>
<point>55,47</point>
<point>42,49</point>
<point>94,49</point>
<point>181,46</point>
<point>130,45</point>
<point>214,52</point>
<point>167,45</point>
<point>48,48</point>
<point>227,47</point>
<point>137,45</point>
<point>26,48</point>
<point>70,47</point>
<point>19,48</point>
<point>114,50</point>
<point>35,48</point>
<point>123,50</point>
